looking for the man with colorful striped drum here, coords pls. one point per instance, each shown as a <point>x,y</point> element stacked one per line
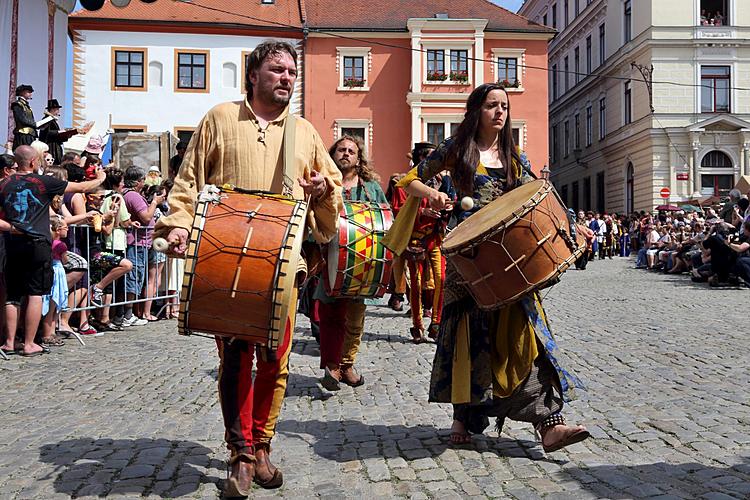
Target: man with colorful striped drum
<point>352,263</point>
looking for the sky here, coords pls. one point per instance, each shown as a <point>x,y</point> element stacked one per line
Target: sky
<point>512,5</point>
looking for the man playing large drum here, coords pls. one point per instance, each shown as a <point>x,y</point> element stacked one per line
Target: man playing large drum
<point>240,143</point>
<point>503,362</point>
<point>342,320</point>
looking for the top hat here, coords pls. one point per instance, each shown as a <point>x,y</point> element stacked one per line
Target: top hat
<point>423,145</point>
<point>24,88</point>
<point>53,104</point>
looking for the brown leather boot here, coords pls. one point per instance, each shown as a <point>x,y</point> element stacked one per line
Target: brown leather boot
<point>350,377</point>
<point>241,474</point>
<point>331,378</point>
<point>267,475</point>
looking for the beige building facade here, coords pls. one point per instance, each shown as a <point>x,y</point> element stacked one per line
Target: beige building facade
<point>646,95</point>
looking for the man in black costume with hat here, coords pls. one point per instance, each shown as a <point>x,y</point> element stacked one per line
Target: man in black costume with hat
<point>24,132</point>
<point>52,135</point>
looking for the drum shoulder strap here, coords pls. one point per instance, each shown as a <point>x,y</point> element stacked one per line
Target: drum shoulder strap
<point>290,132</point>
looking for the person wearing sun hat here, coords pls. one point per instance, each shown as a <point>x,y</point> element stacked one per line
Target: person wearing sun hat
<point>52,134</point>
<point>153,177</point>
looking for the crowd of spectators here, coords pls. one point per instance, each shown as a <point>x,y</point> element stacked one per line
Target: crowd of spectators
<point>708,246</point>
<point>711,247</point>
<point>76,252</point>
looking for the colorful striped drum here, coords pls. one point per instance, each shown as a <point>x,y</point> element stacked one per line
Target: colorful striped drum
<point>358,263</point>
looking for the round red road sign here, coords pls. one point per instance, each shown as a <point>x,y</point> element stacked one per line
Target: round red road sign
<point>664,193</point>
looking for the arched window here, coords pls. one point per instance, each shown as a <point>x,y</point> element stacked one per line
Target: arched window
<point>715,182</point>
<point>630,189</point>
<point>229,75</point>
<point>155,72</point>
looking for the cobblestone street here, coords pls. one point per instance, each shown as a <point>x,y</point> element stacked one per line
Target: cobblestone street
<point>665,361</point>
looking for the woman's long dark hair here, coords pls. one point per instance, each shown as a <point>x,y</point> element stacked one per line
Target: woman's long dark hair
<point>464,152</point>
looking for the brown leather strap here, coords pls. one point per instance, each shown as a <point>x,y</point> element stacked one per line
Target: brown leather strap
<point>290,132</point>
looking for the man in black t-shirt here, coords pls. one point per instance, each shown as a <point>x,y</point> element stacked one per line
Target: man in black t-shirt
<point>24,208</point>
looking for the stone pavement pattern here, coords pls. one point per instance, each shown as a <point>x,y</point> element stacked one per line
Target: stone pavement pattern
<point>665,361</point>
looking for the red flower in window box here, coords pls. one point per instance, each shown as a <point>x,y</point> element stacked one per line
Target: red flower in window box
<point>459,76</point>
<point>354,82</point>
<point>508,84</point>
<point>436,76</point>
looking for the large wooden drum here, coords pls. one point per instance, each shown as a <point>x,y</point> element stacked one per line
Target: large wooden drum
<point>241,266</point>
<point>358,265</point>
<point>517,244</point>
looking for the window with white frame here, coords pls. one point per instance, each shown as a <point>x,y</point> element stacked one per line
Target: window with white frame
<point>436,65</point>
<point>577,64</point>
<point>602,118</point>
<point>566,139</point>
<point>715,83</point>
<point>459,65</point>
<point>435,132</point>
<point>437,127</point>
<point>567,73</point>
<point>589,125</point>
<point>577,132</point>
<point>361,128</point>
<point>353,67</point>
<point>507,69</point>
<point>508,66</point>
<point>447,62</point>
<point>354,71</point>
<point>588,55</point>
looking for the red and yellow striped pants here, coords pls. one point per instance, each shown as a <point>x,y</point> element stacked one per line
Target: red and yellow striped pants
<point>432,268</point>
<point>251,407</point>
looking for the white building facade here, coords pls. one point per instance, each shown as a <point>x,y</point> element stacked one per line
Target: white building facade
<point>155,81</point>
<point>620,132</point>
<point>33,37</point>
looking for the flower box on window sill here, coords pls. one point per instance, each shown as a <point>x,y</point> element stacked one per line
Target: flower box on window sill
<point>436,77</point>
<point>512,87</point>
<point>352,83</point>
<point>461,77</point>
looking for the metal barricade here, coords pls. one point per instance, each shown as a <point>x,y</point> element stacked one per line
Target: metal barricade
<point>153,277</point>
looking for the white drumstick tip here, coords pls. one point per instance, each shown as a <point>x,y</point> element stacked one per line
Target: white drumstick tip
<point>160,245</point>
<point>467,203</point>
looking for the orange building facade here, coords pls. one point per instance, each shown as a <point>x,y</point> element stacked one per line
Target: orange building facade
<point>397,88</point>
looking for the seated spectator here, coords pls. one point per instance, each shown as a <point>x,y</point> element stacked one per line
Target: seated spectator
<point>116,243</point>
<point>25,198</point>
<point>105,266</point>
<point>742,247</point>
<point>650,245</point>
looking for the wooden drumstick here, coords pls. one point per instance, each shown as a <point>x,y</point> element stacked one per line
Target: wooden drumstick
<point>162,245</point>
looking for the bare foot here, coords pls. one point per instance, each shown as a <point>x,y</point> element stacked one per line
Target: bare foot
<point>6,347</point>
<point>459,434</point>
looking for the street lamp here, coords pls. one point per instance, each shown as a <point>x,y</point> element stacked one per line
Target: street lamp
<point>545,172</point>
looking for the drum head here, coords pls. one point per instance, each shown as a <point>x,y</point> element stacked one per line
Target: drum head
<point>492,216</point>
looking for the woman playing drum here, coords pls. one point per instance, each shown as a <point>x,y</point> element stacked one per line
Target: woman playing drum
<point>504,362</point>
